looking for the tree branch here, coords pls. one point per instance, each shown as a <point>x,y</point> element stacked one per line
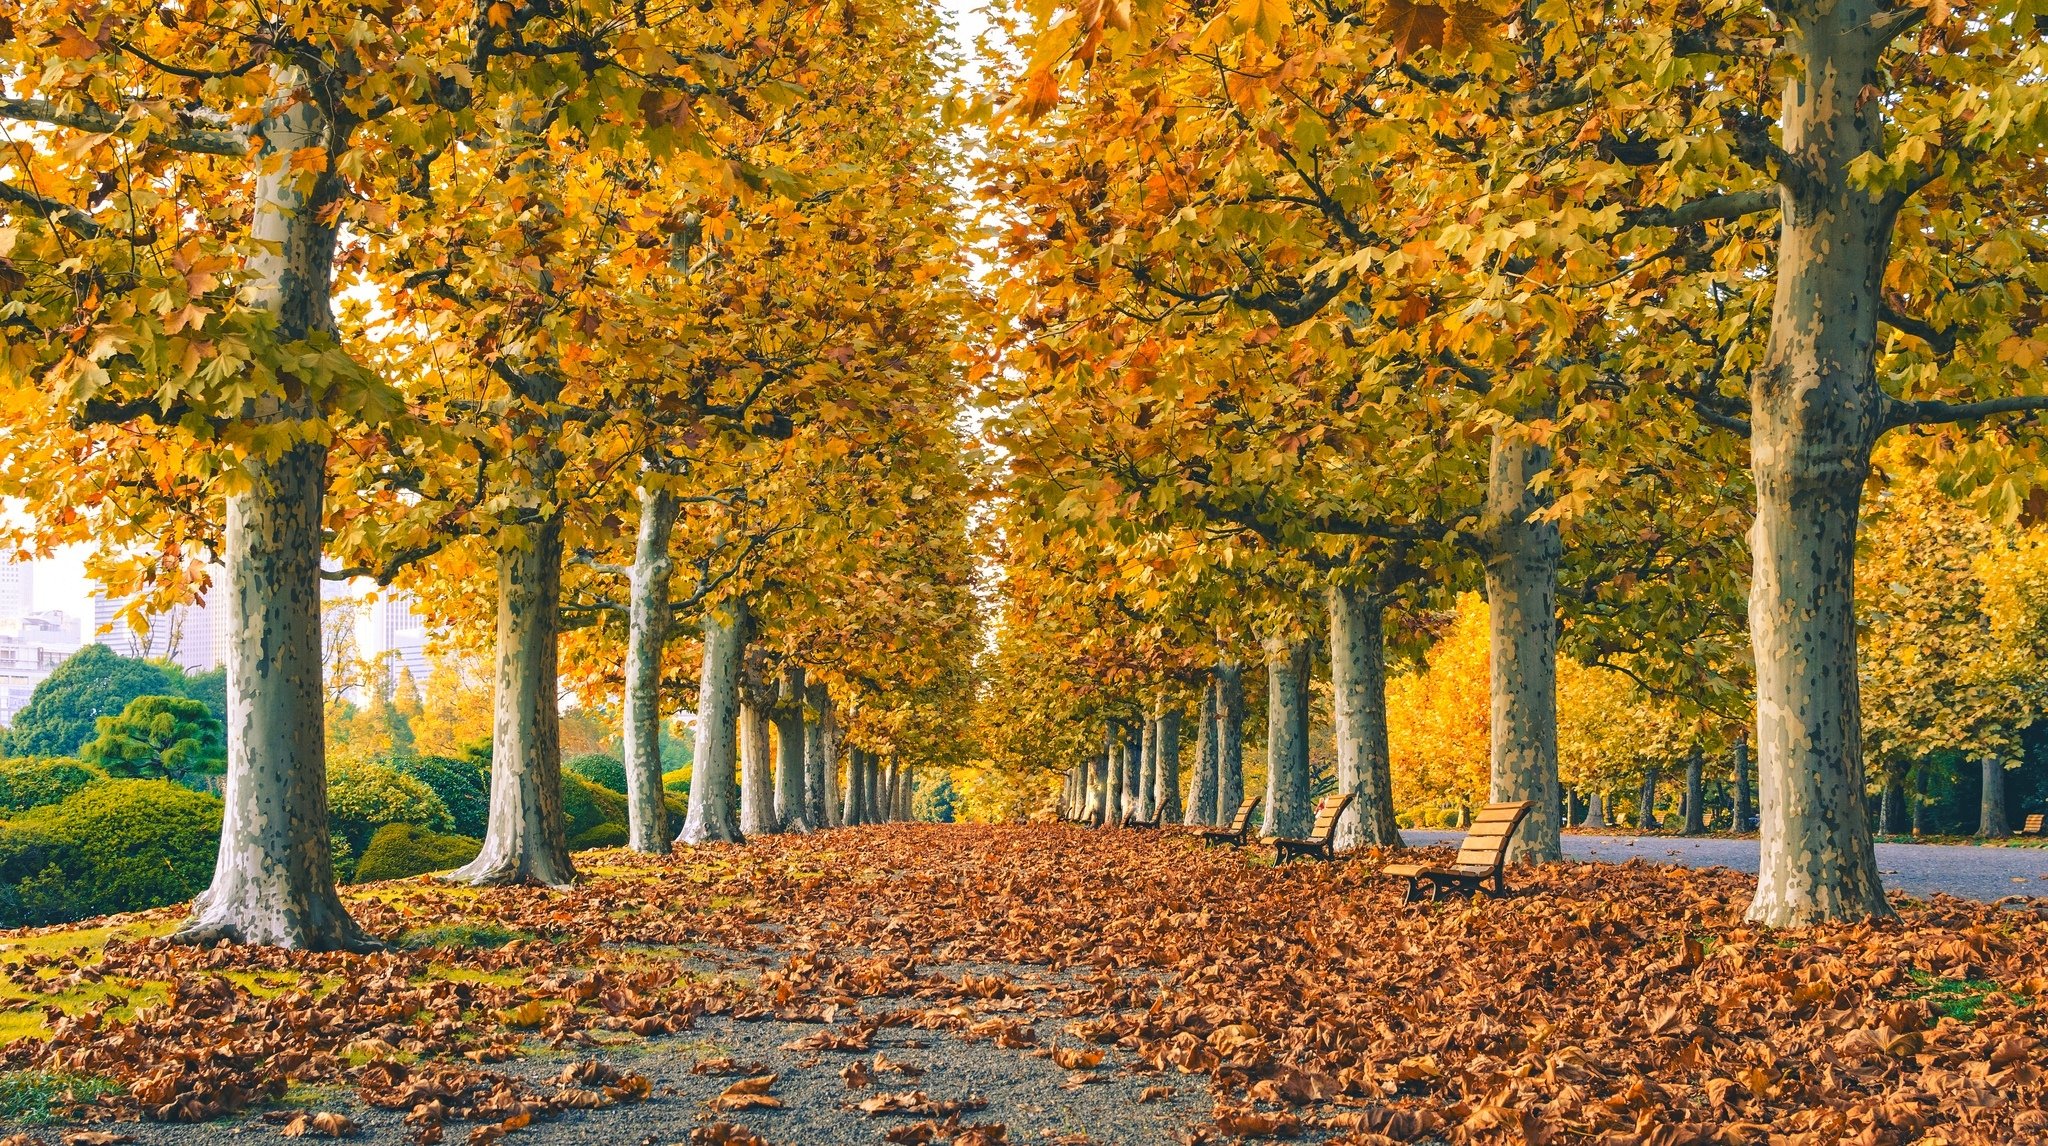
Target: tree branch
<point>91,118</point>
<point>1900,412</point>
<point>1717,207</point>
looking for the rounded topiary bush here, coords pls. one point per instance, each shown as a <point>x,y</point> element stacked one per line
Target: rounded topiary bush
<point>398,851</point>
<point>677,781</point>
<point>119,845</point>
<point>601,836</point>
<point>586,804</point>
<point>600,768</point>
<point>364,797</point>
<point>462,785</point>
<point>35,781</point>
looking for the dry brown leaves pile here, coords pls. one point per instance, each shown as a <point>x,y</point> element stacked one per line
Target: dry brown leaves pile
<point>1624,1004</point>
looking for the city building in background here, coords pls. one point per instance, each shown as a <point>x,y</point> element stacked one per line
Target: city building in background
<point>384,631</point>
<point>32,641</point>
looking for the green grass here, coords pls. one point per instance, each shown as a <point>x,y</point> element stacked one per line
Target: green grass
<point>1959,999</point>
<point>27,1095</point>
<point>468,935</point>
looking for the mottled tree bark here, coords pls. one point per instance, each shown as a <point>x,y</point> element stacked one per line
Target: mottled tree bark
<point>1646,801</point>
<point>1202,785</point>
<point>1696,792</point>
<point>713,813</point>
<point>791,792</point>
<point>1816,412</point>
<point>647,620</point>
<point>757,769</point>
<point>819,794</point>
<point>1358,684</point>
<point>1521,596</point>
<point>1166,741</point>
<point>1148,767</point>
<point>1097,793</point>
<point>273,878</point>
<point>1287,679</point>
<point>855,811</point>
<point>524,838</point>
<point>906,792</point>
<point>1229,741</point>
<point>1991,822</point>
<point>1596,812</point>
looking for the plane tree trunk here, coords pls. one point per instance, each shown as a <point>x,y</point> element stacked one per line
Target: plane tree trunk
<point>1521,595</point>
<point>525,839</point>
<point>1119,774</point>
<point>713,814</point>
<point>1991,823</point>
<point>273,878</point>
<point>1287,673</point>
<point>792,797</point>
<point>1696,792</point>
<point>1745,801</point>
<point>1815,413</point>
<point>1358,684</point>
<point>1229,741</point>
<point>647,622</point>
<point>1166,741</point>
<point>1148,766</point>
<point>821,797</point>
<point>1202,785</point>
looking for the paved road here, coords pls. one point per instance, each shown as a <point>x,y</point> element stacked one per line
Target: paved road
<point>1916,869</point>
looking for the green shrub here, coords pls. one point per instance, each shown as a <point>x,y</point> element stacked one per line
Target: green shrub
<point>159,738</point>
<point>63,711</point>
<point>462,786</point>
<point>397,851</point>
<point>34,781</point>
<point>601,836</point>
<point>364,797</point>
<point>586,804</point>
<point>677,781</point>
<point>600,768</point>
<point>118,845</point>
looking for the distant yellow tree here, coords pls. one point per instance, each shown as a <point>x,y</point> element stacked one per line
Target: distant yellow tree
<point>455,713</point>
<point>1437,733</point>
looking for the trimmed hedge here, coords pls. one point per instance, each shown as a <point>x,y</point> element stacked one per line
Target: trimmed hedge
<point>36,781</point>
<point>600,768</point>
<point>399,851</point>
<point>587,804</point>
<point>601,836</point>
<point>364,797</point>
<point>463,786</point>
<point>117,845</point>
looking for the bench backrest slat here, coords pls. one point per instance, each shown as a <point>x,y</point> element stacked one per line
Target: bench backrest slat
<point>2033,825</point>
<point>1239,822</point>
<point>1486,845</point>
<point>1327,811</point>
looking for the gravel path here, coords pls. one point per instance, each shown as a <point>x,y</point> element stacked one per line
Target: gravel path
<point>1035,1100</point>
<point>1966,870</point>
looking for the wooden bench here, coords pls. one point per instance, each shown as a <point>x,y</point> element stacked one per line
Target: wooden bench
<point>1131,820</point>
<point>2033,826</point>
<point>1481,858</point>
<point>1240,825</point>
<point>1321,839</point>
